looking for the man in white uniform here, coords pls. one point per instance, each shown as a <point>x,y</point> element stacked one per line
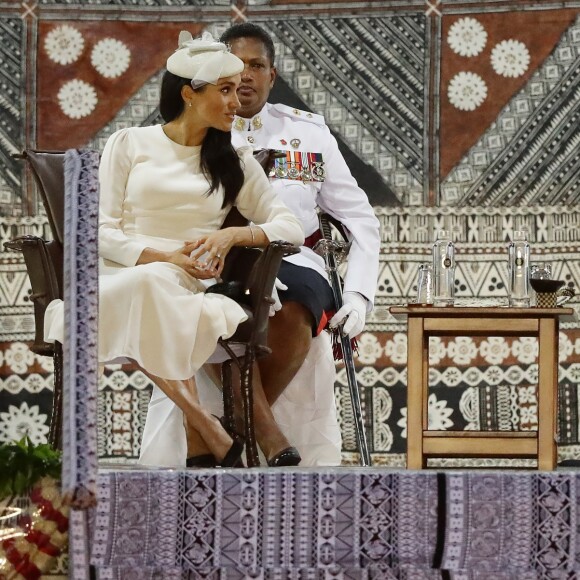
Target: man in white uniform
<point>299,375</point>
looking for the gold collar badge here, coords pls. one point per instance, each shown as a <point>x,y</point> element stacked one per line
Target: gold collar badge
<point>239,124</point>
<point>257,122</point>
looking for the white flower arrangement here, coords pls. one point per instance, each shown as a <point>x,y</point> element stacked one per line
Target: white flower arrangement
<point>510,58</point>
<point>467,91</point>
<point>467,37</point>
<point>64,44</point>
<point>110,57</point>
<point>77,99</point>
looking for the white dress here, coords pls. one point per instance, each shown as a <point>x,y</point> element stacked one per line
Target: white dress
<point>153,194</point>
<point>306,410</point>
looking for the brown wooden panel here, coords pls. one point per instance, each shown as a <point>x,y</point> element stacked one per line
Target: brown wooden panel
<point>480,447</point>
<point>479,326</point>
<point>483,434</point>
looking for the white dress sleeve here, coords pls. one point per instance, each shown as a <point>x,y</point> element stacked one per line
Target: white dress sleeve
<point>257,202</point>
<point>114,170</point>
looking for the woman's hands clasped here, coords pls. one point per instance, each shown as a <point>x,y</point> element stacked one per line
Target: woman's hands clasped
<point>204,258</point>
<point>195,268</point>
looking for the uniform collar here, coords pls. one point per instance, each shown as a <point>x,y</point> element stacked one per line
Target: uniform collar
<point>253,124</point>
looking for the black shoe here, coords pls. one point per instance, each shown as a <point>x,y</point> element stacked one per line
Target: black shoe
<point>233,457</point>
<point>288,457</point>
<point>206,460</point>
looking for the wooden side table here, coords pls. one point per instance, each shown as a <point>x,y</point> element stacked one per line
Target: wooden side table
<point>424,322</point>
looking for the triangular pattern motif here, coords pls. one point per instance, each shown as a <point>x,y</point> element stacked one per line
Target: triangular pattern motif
<point>14,289</point>
<point>88,94</point>
<point>142,107</point>
<point>480,279</point>
<point>509,163</point>
<point>372,93</point>
<point>485,59</point>
<point>398,278</point>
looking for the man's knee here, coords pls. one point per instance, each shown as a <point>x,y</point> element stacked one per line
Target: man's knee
<point>293,316</point>
<point>291,328</point>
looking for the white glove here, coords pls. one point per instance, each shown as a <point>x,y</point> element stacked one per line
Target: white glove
<point>352,314</point>
<point>277,304</point>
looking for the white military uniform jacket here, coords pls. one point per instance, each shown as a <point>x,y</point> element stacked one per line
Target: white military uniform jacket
<point>315,174</point>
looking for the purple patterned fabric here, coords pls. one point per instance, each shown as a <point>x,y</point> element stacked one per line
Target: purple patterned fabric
<point>342,523</point>
<point>79,466</point>
<point>282,521</point>
<point>79,470</point>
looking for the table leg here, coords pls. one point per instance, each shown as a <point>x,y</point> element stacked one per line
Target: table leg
<point>547,393</point>
<point>415,393</point>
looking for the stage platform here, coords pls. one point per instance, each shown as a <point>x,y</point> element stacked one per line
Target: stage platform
<point>347,522</point>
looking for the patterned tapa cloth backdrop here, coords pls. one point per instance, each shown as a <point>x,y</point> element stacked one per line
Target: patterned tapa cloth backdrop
<point>460,114</point>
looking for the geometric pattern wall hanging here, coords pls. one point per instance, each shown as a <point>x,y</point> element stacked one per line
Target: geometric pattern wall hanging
<point>382,74</point>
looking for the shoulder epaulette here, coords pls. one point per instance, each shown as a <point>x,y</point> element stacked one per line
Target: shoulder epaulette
<point>298,114</point>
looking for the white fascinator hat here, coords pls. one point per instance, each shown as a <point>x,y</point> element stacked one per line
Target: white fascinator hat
<point>203,60</point>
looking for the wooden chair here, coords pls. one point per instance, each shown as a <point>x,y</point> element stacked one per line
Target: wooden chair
<point>256,271</point>
<point>44,264</point>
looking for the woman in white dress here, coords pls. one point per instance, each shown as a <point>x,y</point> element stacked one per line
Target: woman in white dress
<point>165,191</point>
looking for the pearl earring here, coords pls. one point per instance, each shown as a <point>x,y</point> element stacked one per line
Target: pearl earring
<point>189,104</point>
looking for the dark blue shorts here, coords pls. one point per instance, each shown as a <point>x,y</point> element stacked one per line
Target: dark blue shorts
<point>310,289</point>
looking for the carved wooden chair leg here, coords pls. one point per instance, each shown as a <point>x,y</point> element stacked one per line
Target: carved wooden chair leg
<point>55,433</point>
<point>246,371</point>
<point>246,375</point>
<point>228,396</point>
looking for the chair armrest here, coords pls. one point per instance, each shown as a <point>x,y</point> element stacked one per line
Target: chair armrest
<point>41,260</point>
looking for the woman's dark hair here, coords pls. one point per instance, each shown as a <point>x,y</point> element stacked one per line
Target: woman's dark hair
<point>219,161</point>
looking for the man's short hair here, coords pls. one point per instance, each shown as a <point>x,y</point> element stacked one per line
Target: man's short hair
<point>249,30</point>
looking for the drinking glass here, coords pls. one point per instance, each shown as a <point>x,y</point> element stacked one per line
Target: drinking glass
<point>425,284</point>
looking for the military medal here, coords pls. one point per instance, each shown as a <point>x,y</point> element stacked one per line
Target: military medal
<point>316,165</point>
<point>318,172</point>
<point>279,169</point>
<point>298,166</point>
<point>293,172</point>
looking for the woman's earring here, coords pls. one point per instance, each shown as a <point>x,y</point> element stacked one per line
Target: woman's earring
<point>189,104</point>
